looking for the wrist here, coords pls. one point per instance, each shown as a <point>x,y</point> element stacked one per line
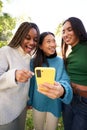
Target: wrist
<point>64,91</point>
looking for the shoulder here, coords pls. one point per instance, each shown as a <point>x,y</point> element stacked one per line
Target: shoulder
<point>59,59</point>
<point>56,60</point>
<point>7,51</point>
<point>5,48</point>
<point>83,44</point>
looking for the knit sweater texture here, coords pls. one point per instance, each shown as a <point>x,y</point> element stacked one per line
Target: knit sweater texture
<point>43,103</point>
<point>77,64</point>
<point>13,95</point>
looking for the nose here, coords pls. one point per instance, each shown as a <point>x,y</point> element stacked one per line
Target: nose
<point>65,33</point>
<point>31,42</point>
<point>53,43</point>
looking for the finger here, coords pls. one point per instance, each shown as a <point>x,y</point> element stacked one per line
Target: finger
<point>50,95</point>
<point>29,74</point>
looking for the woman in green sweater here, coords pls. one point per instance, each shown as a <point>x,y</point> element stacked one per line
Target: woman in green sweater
<point>74,34</point>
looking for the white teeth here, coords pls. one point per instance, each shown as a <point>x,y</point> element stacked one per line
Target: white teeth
<point>29,47</point>
<point>52,49</point>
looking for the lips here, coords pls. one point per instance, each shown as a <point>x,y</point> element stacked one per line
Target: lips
<point>29,49</point>
<point>52,49</point>
<point>67,39</point>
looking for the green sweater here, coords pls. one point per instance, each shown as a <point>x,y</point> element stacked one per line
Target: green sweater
<point>77,64</point>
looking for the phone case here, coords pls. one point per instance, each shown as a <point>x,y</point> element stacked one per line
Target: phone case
<point>45,74</point>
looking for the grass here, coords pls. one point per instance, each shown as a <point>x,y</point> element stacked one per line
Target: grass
<point>29,122</point>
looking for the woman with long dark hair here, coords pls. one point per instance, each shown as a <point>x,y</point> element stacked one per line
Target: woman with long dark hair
<point>74,35</point>
<point>47,109</point>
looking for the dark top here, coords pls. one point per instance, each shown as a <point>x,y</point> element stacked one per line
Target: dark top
<point>77,64</point>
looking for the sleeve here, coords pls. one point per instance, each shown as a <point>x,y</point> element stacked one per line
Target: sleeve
<point>65,82</point>
<point>7,76</point>
<point>31,92</point>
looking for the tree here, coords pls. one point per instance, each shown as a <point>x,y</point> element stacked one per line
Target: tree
<point>1,5</point>
<point>58,29</point>
<point>7,24</point>
<point>58,38</point>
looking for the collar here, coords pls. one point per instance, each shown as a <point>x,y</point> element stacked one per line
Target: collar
<point>52,56</point>
<point>22,52</point>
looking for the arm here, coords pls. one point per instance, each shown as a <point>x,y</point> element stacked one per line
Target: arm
<point>65,83</point>
<point>61,88</point>
<point>7,77</point>
<point>10,76</point>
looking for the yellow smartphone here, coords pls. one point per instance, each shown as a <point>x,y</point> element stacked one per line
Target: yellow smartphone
<point>45,74</point>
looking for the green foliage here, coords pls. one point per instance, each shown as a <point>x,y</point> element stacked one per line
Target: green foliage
<point>60,124</point>
<point>7,24</point>
<point>3,43</point>
<point>29,122</point>
<point>58,30</point>
<point>1,5</point>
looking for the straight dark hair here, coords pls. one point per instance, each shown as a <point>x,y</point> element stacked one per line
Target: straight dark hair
<point>40,58</point>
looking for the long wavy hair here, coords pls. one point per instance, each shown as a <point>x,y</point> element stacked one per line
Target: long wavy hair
<point>79,31</point>
<point>21,33</point>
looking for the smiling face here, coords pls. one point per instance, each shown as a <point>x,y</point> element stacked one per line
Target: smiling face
<point>68,34</point>
<point>30,41</point>
<point>49,45</point>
